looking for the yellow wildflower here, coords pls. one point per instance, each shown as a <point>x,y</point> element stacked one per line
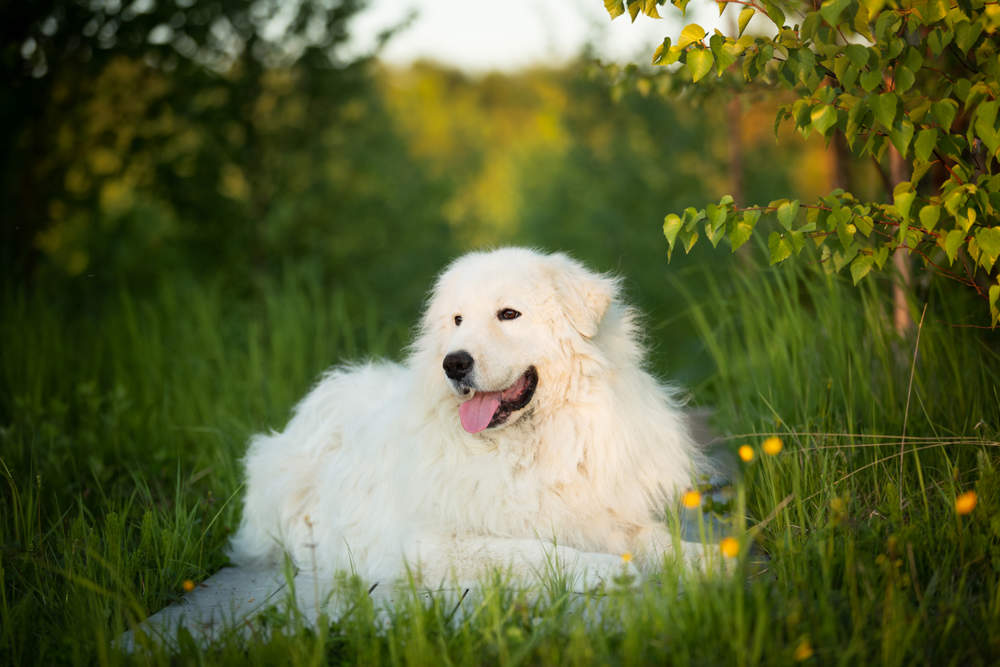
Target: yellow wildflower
<point>966,502</point>
<point>772,446</point>
<point>746,453</point>
<point>188,585</point>
<point>803,651</point>
<point>691,499</point>
<point>730,547</point>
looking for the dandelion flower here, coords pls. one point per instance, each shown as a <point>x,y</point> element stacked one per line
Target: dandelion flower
<point>626,557</point>
<point>746,453</point>
<point>729,547</point>
<point>772,446</point>
<point>803,651</point>
<point>188,585</point>
<point>691,499</point>
<point>966,502</point>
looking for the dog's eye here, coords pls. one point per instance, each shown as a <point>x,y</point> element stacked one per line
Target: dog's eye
<point>458,320</point>
<point>508,314</point>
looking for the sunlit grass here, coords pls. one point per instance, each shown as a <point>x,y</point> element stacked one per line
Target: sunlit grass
<point>123,423</point>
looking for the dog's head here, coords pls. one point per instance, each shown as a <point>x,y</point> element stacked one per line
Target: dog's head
<point>498,321</point>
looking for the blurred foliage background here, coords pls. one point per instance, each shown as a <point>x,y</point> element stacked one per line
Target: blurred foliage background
<point>231,141</point>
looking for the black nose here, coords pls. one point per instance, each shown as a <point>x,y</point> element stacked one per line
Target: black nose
<point>457,364</point>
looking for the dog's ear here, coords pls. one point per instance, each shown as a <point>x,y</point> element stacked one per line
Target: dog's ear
<point>583,294</point>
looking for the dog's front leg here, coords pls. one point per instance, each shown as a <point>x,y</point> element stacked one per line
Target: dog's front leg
<point>469,560</point>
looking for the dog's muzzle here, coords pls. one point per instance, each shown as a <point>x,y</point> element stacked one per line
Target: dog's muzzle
<point>486,409</point>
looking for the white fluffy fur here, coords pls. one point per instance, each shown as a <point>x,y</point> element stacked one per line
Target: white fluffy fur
<point>374,472</point>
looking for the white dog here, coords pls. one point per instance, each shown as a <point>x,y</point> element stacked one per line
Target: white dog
<point>521,429</point>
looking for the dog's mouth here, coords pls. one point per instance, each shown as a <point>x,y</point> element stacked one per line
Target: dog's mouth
<point>487,409</point>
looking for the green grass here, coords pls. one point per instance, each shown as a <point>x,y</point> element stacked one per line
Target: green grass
<point>123,419</point>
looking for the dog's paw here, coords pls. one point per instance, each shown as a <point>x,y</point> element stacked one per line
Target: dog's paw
<point>594,571</point>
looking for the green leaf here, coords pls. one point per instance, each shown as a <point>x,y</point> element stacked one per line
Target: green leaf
<point>985,125</point>
<point>861,23</point>
<point>807,31</point>
<point>976,94</point>
<point>846,230</point>
<point>723,56</point>
<point>841,258</point>
<point>881,255</point>
<point>691,218</point>
<point>716,216</point>
<point>671,225</point>
<point>870,80</point>
<point>805,66</point>
<point>954,200</point>
<point>787,213</point>
<point>923,147</point>
<point>994,311</point>
<point>885,106</point>
<point>920,170</point>
<point>633,8</point>
<point>775,14</point>
<point>986,115</point>
<point>973,250</point>
<point>649,9</point>
<point>860,267</point>
<point>902,199</point>
<point>939,39</point>
<point>699,63</point>
<point>690,34</point>
<point>740,233</point>
<point>901,135</point>
<point>744,19</point>
<point>989,245</point>
<point>966,34</point>
<point>802,112</point>
<point>832,9</point>
<point>798,241</point>
<point>689,239</point>
<point>931,11</point>
<point>857,54</point>
<point>929,216</point>
<point>944,111</point>
<point>966,221</point>
<point>886,25</point>
<point>952,242</point>
<point>662,50</point>
<point>903,235</point>
<point>904,79</point>
<point>779,249</point>
<point>896,46</point>
<point>823,117</point>
<point>914,60</point>
<point>713,235</point>
<point>849,77</point>
<point>615,8</point>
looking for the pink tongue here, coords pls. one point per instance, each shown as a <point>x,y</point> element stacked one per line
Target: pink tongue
<point>477,412</point>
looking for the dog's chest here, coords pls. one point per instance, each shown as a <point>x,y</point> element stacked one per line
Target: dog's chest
<point>487,495</point>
